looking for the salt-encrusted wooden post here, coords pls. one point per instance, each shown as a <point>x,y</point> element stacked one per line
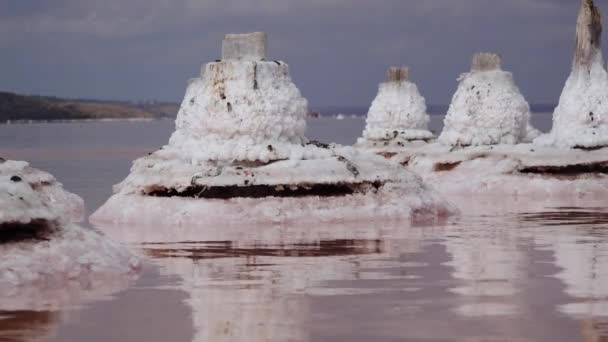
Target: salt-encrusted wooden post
<point>485,61</point>
<point>588,34</point>
<point>248,46</point>
<point>398,74</point>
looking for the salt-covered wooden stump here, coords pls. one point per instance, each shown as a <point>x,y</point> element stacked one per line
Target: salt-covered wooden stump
<point>487,108</point>
<point>249,47</point>
<point>398,74</point>
<point>239,155</point>
<point>581,117</point>
<point>397,114</point>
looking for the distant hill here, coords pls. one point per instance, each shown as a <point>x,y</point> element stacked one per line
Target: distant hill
<point>15,107</point>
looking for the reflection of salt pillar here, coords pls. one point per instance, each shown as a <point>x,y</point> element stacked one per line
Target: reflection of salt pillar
<point>584,272</point>
<point>487,108</point>
<point>487,266</point>
<point>230,303</point>
<point>398,113</point>
<point>263,298</point>
<point>581,118</point>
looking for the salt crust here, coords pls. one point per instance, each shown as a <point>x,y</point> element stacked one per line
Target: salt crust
<point>402,195</point>
<point>34,194</point>
<point>397,114</point>
<point>493,178</point>
<point>237,109</point>
<point>68,252</point>
<point>487,109</point>
<point>74,264</point>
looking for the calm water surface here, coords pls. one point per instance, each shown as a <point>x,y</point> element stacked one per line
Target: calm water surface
<point>539,276</point>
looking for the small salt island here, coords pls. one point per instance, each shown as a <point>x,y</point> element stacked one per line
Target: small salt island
<point>397,116</point>
<point>239,155</point>
<point>485,160</point>
<point>41,246</point>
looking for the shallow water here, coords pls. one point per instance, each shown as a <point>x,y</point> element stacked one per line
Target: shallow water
<point>540,276</point>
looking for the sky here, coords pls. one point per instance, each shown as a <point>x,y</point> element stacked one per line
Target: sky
<point>338,50</point>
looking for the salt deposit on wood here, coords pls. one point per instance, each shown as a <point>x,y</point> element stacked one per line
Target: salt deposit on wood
<point>39,243</point>
<point>239,154</point>
<point>398,114</point>
<point>251,46</point>
<point>484,156</point>
<point>581,118</point>
<point>487,108</point>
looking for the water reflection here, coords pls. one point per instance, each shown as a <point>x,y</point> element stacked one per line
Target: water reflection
<point>488,260</point>
<point>595,330</point>
<point>471,279</point>
<point>34,312</point>
<point>579,244</point>
<point>244,288</point>
<point>23,326</point>
<point>565,215</point>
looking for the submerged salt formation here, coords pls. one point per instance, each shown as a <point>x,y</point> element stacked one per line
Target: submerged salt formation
<point>398,114</point>
<point>581,118</point>
<point>39,243</point>
<point>239,154</point>
<point>488,108</point>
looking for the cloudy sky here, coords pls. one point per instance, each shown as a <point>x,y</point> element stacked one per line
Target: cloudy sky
<point>338,50</point>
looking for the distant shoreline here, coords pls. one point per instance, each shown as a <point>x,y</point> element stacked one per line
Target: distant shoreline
<point>23,109</point>
<point>52,121</point>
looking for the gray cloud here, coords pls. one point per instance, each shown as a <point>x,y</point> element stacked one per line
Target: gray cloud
<point>338,49</point>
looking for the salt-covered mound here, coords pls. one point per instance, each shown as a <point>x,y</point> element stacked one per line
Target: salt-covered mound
<point>239,154</point>
<point>397,115</point>
<point>39,244</point>
<point>51,266</point>
<point>581,118</point>
<point>48,198</point>
<point>487,108</point>
<point>507,178</point>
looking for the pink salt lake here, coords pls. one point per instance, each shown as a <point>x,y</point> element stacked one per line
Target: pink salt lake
<point>520,276</point>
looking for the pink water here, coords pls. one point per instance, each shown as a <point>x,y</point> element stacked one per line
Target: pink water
<point>539,276</point>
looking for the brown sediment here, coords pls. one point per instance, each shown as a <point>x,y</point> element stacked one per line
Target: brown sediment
<point>568,170</point>
<point>585,148</point>
<point>388,155</point>
<point>255,76</point>
<point>36,230</point>
<point>262,191</point>
<point>442,167</point>
<point>318,144</point>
